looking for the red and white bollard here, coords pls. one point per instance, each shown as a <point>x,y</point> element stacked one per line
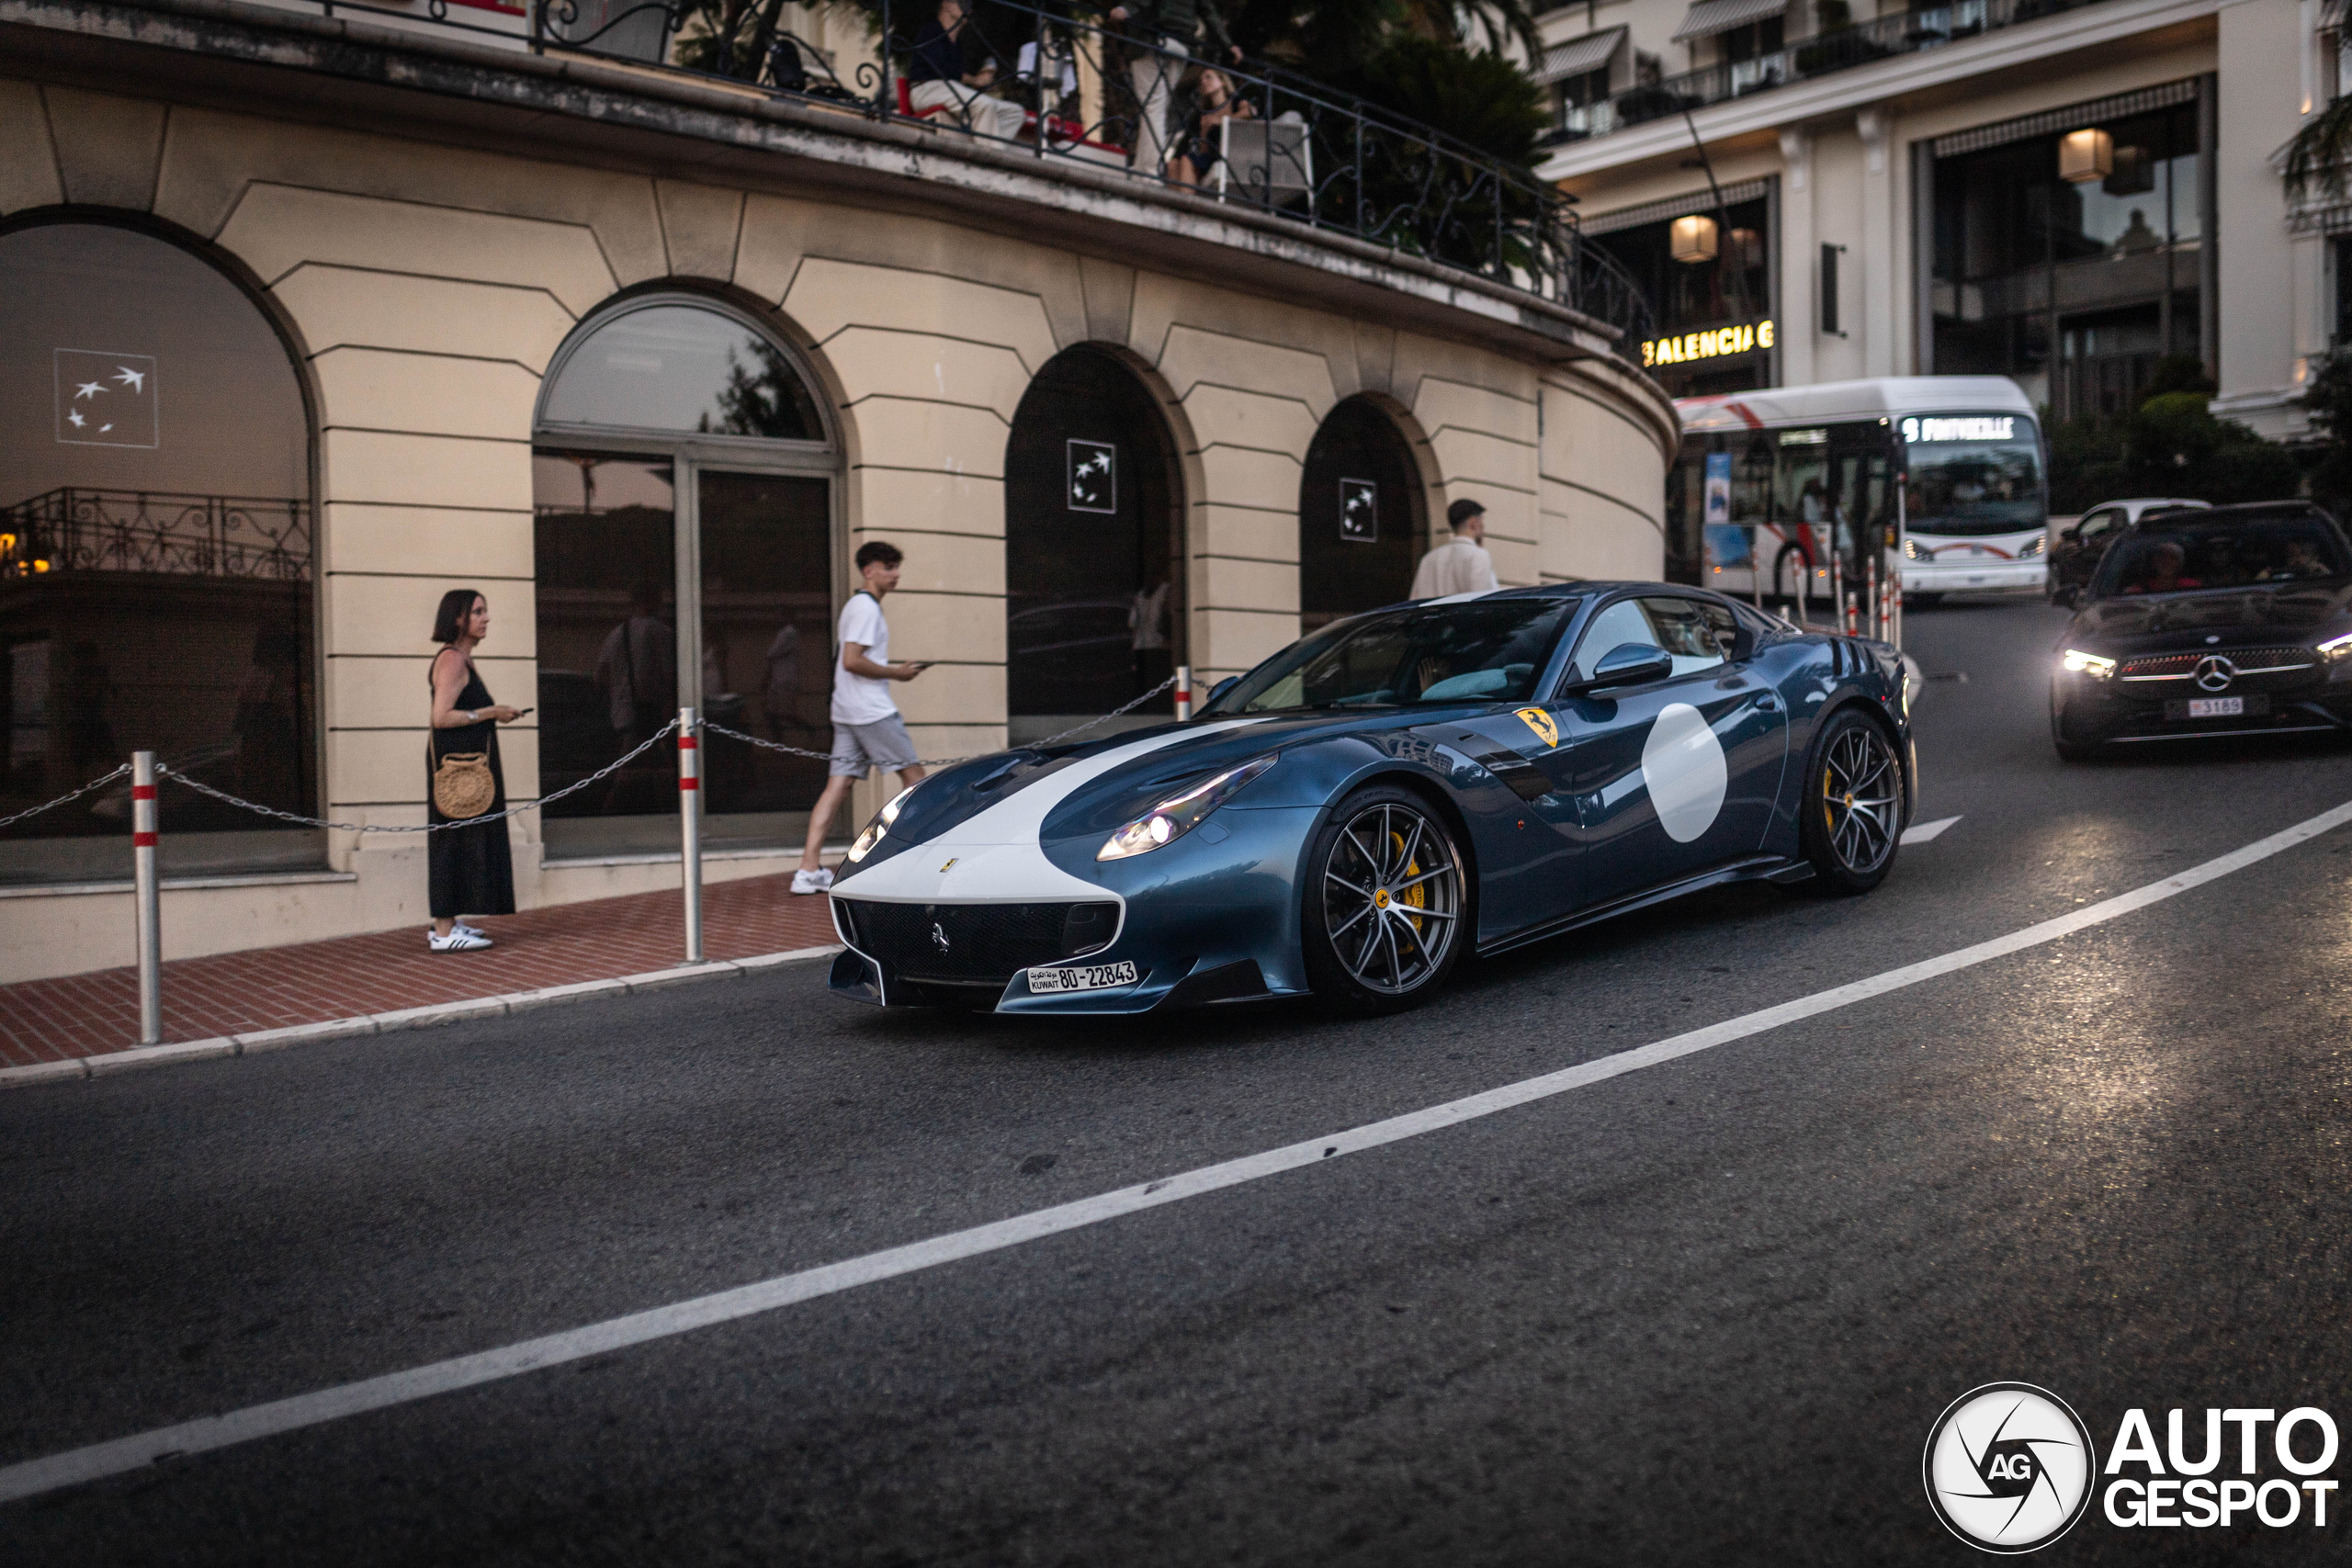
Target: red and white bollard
<point>690,829</point>
<point>150,898</point>
<point>1183,693</point>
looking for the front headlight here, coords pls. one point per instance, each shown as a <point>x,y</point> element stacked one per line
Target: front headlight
<point>1179,815</point>
<point>2337,650</point>
<point>2034,547</point>
<point>2077,662</point>
<point>1918,551</point>
<point>879,827</point>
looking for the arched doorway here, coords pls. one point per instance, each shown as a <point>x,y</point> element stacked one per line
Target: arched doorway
<point>1093,550</point>
<point>157,581</point>
<point>682,492</point>
<point>1361,516</point>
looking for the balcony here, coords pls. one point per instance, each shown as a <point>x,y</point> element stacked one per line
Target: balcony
<point>1082,100</point>
<point>1914,31</point>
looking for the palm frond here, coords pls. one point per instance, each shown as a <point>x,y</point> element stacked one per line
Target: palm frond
<point>2320,157</point>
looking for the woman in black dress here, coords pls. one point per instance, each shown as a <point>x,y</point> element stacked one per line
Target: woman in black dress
<point>470,869</point>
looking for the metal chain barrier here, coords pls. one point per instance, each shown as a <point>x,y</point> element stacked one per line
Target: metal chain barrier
<point>716,728</point>
<point>607,771</point>
<point>76,794</point>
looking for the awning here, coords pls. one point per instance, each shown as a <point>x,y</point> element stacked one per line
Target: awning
<point>1580,55</point>
<point>1709,18</point>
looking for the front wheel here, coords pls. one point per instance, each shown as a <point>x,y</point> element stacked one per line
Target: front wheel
<point>1853,805</point>
<point>1384,910</point>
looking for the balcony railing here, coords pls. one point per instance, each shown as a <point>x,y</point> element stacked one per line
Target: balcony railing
<point>71,531</point>
<point>1906,32</point>
<point>1071,89</point>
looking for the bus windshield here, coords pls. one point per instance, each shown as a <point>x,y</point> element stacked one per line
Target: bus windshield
<point>1974,475</point>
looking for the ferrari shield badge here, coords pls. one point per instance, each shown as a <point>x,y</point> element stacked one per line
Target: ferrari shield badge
<point>1541,722</point>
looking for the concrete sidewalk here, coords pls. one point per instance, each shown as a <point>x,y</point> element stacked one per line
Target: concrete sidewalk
<point>277,987</point>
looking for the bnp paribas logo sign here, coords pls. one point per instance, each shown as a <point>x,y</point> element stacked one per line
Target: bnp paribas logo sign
<point>2010,1468</point>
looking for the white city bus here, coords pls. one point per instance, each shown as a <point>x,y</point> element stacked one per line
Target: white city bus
<point>1782,478</point>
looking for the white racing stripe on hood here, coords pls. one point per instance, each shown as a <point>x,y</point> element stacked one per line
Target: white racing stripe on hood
<point>994,857</point>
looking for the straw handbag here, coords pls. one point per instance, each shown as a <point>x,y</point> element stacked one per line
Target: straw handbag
<point>462,785</point>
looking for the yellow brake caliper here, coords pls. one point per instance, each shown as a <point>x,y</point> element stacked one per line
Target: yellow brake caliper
<point>1417,896</point>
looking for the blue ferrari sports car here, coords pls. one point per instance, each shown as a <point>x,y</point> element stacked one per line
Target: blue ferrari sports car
<point>1349,818</point>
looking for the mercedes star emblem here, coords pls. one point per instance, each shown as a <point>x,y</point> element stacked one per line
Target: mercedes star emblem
<point>2214,673</point>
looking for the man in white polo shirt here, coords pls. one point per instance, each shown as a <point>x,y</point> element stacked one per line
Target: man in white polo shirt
<point>1461,565</point>
<point>867,731</point>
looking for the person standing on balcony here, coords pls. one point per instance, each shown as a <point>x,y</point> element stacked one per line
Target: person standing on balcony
<point>1161,35</point>
<point>937,80</point>
<point>1461,565</point>
<point>867,731</point>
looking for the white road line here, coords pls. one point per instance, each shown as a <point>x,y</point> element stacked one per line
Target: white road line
<point>76,1466</point>
<point>1922,833</point>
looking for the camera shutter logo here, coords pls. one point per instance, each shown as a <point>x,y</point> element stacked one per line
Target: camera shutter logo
<point>2009,1468</point>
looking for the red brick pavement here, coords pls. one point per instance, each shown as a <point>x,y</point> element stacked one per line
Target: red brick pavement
<point>86,1015</point>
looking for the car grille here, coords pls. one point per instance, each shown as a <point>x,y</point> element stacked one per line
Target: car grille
<point>984,944</point>
<point>2249,662</point>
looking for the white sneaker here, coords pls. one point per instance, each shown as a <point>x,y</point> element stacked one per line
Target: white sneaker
<point>460,925</point>
<point>459,940</point>
<point>816,881</point>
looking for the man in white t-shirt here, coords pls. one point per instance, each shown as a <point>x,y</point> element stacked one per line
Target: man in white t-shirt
<point>1461,565</point>
<point>867,731</point>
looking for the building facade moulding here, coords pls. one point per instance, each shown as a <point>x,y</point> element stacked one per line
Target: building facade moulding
<point>360,72</point>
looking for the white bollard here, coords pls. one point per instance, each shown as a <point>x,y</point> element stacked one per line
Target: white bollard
<point>150,898</point>
<point>690,829</point>
<point>1183,693</point>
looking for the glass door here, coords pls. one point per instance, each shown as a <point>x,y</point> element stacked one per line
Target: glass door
<point>766,613</point>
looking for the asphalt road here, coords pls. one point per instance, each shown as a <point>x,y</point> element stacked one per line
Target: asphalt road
<point>1704,1312</point>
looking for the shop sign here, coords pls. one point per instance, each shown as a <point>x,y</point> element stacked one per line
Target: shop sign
<point>1715,344</point>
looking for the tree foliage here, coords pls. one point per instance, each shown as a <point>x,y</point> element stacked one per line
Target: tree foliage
<point>2170,443</point>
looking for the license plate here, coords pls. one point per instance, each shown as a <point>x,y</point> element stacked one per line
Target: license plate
<point>2216,708</point>
<point>1081,978</point>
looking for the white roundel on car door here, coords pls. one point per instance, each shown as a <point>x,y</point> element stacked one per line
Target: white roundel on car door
<point>1682,764</point>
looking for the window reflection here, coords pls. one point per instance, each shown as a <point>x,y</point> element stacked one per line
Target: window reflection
<point>608,638</point>
<point>684,369</point>
<point>155,558</point>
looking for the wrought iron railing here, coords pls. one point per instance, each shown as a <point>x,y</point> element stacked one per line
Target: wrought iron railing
<point>1069,88</point>
<point>1904,32</point>
<point>75,530</point>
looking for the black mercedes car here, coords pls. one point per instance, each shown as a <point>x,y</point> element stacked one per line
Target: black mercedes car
<point>2230,622</point>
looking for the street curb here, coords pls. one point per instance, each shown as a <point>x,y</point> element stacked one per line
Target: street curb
<point>433,1016</point>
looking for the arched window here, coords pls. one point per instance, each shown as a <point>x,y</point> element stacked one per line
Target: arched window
<point>684,527</point>
<point>1092,549</point>
<point>1361,529</point>
<point>157,578</point>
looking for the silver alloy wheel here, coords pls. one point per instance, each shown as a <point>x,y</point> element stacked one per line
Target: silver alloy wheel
<point>1392,898</point>
<point>1861,794</point>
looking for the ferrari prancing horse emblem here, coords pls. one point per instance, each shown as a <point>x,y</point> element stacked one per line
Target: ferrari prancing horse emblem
<point>1542,723</point>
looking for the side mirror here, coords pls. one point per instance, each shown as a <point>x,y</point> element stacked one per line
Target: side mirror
<point>2071,534</point>
<point>1627,664</point>
<point>1220,689</point>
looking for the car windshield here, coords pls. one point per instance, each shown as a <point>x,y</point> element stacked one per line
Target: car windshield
<point>1487,650</point>
<point>2181,556</point>
<point>1973,476</point>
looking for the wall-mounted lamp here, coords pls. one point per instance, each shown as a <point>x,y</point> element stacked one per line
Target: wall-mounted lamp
<point>1692,239</point>
<point>2086,155</point>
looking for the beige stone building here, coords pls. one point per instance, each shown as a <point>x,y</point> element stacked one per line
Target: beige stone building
<point>2062,191</point>
<point>308,320</point>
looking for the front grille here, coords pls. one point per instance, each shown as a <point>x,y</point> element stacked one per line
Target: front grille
<point>984,944</point>
<point>2157,666</point>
